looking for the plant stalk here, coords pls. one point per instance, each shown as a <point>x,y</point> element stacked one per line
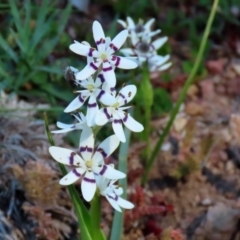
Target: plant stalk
<point>183,93</point>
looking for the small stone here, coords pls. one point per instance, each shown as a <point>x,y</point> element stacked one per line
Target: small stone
<point>230,167</point>
<point>194,108</point>
<point>166,147</point>
<point>192,90</point>
<point>180,123</point>
<point>206,202</point>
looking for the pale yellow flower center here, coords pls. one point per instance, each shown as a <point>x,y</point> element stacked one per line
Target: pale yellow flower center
<point>89,163</point>
<point>90,87</point>
<point>115,105</point>
<point>103,56</point>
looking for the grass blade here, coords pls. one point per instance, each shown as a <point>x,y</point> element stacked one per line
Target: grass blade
<point>8,49</point>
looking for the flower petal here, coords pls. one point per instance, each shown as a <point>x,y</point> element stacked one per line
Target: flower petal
<point>117,127</point>
<point>92,109</point>
<point>110,173</point>
<point>117,42</point>
<point>159,42</point>
<point>130,23</point>
<point>121,22</point>
<point>130,123</point>
<point>104,97</point>
<point>109,74</point>
<point>77,102</point>
<point>86,143</point>
<point>148,24</point>
<point>126,94</point>
<point>83,49</point>
<point>89,70</point>
<point>127,52</point>
<point>103,116</point>
<point>158,60</point>
<point>109,89</point>
<point>123,62</point>
<point>106,148</point>
<point>113,201</point>
<point>64,125</point>
<point>72,176</point>
<point>88,186</point>
<point>165,66</point>
<point>124,203</point>
<point>66,156</point>
<point>98,35</point>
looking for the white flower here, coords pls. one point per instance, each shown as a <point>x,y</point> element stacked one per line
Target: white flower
<point>145,49</point>
<point>93,92</point>
<point>140,30</point>
<point>103,56</point>
<point>159,63</point>
<point>112,193</point>
<point>89,164</point>
<point>70,127</point>
<point>116,114</point>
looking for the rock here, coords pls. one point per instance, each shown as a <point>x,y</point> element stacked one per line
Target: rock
<point>206,202</point>
<point>194,108</point>
<point>180,123</point>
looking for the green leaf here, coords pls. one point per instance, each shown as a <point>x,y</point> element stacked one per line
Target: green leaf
<point>51,69</point>
<point>16,17</point>
<point>19,43</point>
<point>117,226</point>
<point>64,18</point>
<point>95,214</point>
<point>162,101</point>
<point>3,71</point>
<point>56,92</point>
<point>8,49</point>
<point>27,24</point>
<point>83,216</point>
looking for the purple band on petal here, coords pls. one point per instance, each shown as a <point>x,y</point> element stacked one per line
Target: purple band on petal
<point>85,149</point>
<point>101,150</point>
<point>100,94</point>
<point>113,47</point>
<point>121,95</point>
<point>117,59</point>
<point>71,158</point>
<point>107,69</point>
<point>90,52</point>
<point>89,149</point>
<point>104,168</point>
<point>93,105</point>
<point>114,198</point>
<point>93,66</point>
<point>101,78</point>
<point>100,41</point>
<point>117,120</point>
<point>112,89</point>
<point>125,118</point>
<point>76,173</point>
<point>80,98</point>
<point>89,180</point>
<point>106,113</point>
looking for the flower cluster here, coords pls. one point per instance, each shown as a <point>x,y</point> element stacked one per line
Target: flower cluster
<point>142,45</point>
<point>97,83</point>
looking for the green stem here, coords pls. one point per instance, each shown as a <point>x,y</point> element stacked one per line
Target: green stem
<point>183,93</point>
<point>83,216</point>
<point>117,225</point>
<point>95,214</point>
